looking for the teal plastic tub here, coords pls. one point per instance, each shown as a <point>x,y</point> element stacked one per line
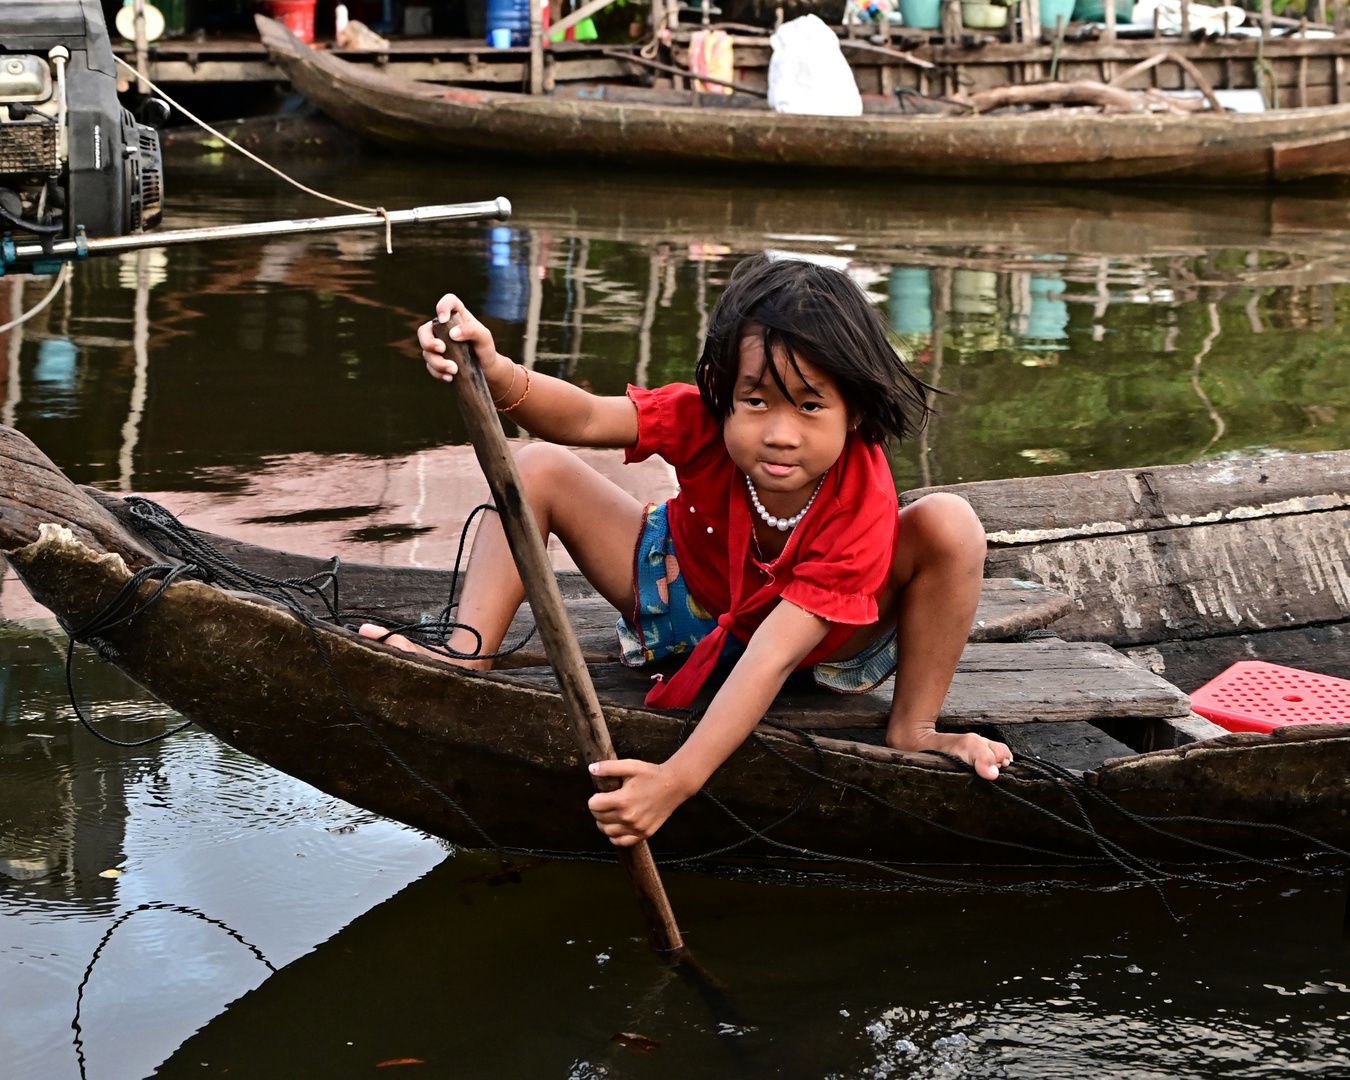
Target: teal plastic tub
<point>1095,10</point>
<point>1052,9</point>
<point>922,14</point>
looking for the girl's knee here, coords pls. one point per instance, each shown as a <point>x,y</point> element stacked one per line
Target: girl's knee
<point>944,525</point>
<point>542,464</point>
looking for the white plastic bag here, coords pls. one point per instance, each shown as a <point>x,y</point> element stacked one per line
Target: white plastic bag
<point>808,73</point>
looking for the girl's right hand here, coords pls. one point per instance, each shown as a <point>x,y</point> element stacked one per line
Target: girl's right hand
<point>470,331</point>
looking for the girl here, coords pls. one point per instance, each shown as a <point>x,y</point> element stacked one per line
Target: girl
<point>784,547</point>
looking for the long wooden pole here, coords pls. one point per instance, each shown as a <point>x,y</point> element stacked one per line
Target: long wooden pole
<point>564,652</point>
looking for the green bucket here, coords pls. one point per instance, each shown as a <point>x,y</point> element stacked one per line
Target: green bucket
<point>1095,10</point>
<point>1052,9</point>
<point>921,14</point>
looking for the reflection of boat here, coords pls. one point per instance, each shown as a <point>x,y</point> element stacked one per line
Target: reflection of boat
<point>250,671</point>
<point>662,126</point>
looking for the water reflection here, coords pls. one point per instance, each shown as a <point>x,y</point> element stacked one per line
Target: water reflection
<point>1069,322</point>
<point>90,833</point>
<point>536,978</point>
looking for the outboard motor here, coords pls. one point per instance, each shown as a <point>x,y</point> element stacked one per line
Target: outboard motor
<point>72,159</point>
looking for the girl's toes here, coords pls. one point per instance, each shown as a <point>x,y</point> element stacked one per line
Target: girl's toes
<point>398,641</point>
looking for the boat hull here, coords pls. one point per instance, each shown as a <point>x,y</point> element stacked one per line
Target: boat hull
<point>1222,149</point>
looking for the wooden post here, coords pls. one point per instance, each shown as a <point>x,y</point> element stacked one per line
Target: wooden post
<point>1059,44</point>
<point>1266,13</point>
<point>1185,25</point>
<point>1031,34</point>
<point>1338,16</point>
<point>536,47</point>
<point>1322,12</point>
<point>546,603</point>
<point>1110,9</point>
<point>1338,80</point>
<point>142,49</point>
<point>951,23</point>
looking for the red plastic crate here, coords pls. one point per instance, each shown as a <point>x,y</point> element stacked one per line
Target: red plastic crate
<point>1255,696</point>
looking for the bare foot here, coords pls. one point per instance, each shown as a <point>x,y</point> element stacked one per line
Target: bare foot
<point>986,756</point>
<point>398,641</point>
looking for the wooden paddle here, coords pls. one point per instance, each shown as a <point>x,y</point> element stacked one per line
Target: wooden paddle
<point>560,641</point>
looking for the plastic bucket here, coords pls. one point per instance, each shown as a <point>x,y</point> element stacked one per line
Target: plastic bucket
<point>296,15</point>
<point>1095,10</point>
<point>922,14</point>
<point>512,16</point>
<point>982,16</point>
<point>1052,9</point>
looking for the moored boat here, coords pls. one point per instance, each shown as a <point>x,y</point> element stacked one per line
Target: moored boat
<point>486,759</point>
<point>665,125</point>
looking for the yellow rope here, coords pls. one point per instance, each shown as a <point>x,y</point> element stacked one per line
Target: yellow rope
<point>388,231</point>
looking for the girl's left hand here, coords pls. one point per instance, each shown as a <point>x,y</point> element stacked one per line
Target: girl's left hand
<point>649,795</point>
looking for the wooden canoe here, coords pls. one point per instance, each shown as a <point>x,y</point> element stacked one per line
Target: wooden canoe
<point>497,746</point>
<point>663,126</point>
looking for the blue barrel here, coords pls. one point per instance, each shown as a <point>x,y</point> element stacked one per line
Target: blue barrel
<point>508,295</point>
<point>513,15</point>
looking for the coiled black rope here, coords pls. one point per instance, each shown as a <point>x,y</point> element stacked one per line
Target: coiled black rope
<point>120,610</point>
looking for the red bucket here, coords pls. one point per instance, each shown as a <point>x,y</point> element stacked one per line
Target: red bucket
<point>296,15</point>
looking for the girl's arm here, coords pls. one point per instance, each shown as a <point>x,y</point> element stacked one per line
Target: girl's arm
<point>554,410</point>
<point>650,793</point>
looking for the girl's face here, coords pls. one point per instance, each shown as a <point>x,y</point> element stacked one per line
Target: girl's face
<point>784,446</point>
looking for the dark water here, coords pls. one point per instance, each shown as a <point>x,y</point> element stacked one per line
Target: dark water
<point>1075,330</point>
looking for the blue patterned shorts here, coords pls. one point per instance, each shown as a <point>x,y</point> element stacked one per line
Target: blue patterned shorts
<point>670,622</point>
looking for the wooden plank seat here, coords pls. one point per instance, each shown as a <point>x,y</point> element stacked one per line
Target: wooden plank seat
<point>997,683</point>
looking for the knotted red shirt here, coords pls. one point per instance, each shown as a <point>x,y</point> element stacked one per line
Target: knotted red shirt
<point>836,561</point>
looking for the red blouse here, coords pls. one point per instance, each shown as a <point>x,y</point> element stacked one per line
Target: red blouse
<point>836,561</point>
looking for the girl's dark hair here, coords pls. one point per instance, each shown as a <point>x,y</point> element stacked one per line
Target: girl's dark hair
<point>820,314</point>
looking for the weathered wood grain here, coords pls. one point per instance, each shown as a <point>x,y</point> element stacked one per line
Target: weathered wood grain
<point>1003,683</point>
<point>1235,577</point>
<point>1036,509</point>
<point>33,490</point>
<point>1073,744</point>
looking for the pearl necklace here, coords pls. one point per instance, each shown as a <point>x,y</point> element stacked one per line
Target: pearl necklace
<point>781,524</point>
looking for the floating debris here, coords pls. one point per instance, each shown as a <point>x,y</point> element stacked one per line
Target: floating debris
<point>633,1042</point>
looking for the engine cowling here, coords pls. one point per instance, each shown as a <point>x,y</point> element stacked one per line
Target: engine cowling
<point>70,154</point>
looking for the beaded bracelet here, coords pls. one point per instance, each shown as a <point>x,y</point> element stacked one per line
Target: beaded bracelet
<point>515,370</point>
<point>522,396</point>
